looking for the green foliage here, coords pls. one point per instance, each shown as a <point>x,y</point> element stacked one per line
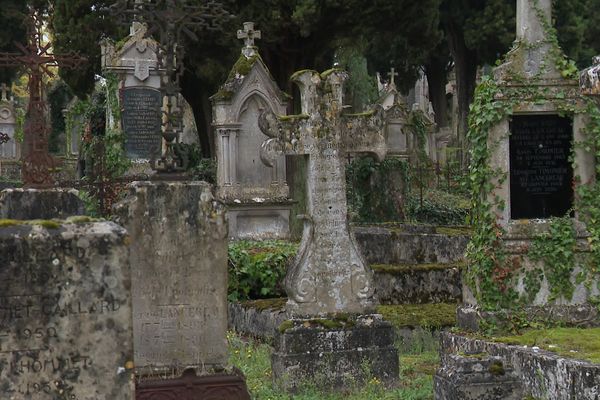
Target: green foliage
<point>253,358</point>
<point>361,88</point>
<point>203,169</point>
<point>257,269</point>
<point>58,98</point>
<point>12,14</point>
<point>437,207</point>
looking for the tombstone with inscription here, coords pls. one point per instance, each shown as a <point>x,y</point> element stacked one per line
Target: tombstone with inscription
<point>256,194</point>
<point>10,150</point>
<point>538,173</point>
<point>65,311</point>
<point>136,65</point>
<point>179,293</point>
<point>329,279</point>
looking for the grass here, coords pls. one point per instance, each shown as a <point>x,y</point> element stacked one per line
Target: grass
<point>582,344</point>
<point>253,359</point>
<point>428,315</point>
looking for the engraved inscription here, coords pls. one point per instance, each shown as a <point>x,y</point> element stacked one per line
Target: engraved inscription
<point>141,117</point>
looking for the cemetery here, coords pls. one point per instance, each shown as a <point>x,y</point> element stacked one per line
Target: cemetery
<point>202,199</point>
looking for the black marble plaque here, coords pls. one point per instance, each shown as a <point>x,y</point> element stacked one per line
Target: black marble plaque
<point>141,118</point>
<point>541,174</point>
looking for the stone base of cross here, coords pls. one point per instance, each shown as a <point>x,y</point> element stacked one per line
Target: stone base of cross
<point>329,274</point>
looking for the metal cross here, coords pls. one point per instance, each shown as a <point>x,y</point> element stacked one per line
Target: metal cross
<point>392,74</point>
<point>37,164</point>
<point>248,34</point>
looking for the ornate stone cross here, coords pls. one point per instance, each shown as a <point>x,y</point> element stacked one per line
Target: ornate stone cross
<point>248,34</point>
<point>329,274</point>
<point>392,74</point>
<point>37,164</point>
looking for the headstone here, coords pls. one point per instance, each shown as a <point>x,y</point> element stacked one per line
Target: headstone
<point>136,64</point>
<point>24,204</point>
<point>329,275</point>
<point>398,140</point>
<point>179,295</point>
<point>534,147</point>
<point>256,194</point>
<point>65,312</point>
<point>8,122</point>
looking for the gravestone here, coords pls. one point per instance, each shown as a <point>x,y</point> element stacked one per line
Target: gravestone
<point>136,65</point>
<point>256,194</point>
<point>65,311</point>
<point>10,150</point>
<point>329,276</point>
<point>179,294</point>
<point>398,140</point>
<point>533,146</point>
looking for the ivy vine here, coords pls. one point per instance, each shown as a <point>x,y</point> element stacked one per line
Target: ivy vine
<point>492,272</point>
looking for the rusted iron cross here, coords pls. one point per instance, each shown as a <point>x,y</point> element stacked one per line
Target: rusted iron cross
<point>37,163</point>
<point>329,274</point>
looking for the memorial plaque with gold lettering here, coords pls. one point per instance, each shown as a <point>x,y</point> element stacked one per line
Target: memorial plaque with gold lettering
<point>65,314</point>
<point>141,116</point>
<point>541,175</point>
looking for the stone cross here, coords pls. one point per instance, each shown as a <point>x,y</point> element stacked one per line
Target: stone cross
<point>248,34</point>
<point>329,274</point>
<point>392,74</point>
<point>530,28</point>
<point>4,92</point>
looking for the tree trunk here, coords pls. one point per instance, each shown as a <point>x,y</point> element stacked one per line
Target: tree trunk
<point>465,64</point>
<point>436,72</point>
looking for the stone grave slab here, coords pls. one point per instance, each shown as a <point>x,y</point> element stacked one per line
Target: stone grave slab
<point>65,312</point>
<point>180,292</point>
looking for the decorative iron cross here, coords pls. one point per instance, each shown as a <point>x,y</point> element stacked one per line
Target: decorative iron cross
<point>392,74</point>
<point>37,164</point>
<point>248,34</point>
<point>329,274</point>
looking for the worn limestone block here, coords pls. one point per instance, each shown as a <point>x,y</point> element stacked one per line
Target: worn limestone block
<point>589,80</point>
<point>334,353</point>
<point>544,375</point>
<point>23,204</point>
<point>179,268</point>
<point>65,312</point>
<point>476,377</point>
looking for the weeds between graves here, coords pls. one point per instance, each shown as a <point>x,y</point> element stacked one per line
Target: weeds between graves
<point>253,359</point>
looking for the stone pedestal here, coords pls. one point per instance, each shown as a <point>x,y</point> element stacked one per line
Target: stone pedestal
<point>476,377</point>
<point>334,353</point>
<point>24,204</point>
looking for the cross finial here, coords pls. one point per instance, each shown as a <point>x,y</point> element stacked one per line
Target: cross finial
<point>4,89</point>
<point>248,34</point>
<point>392,74</point>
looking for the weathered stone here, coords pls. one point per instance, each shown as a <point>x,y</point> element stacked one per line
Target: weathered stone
<point>589,80</point>
<point>543,375</point>
<point>316,352</point>
<point>179,268</point>
<point>253,319</point>
<point>329,275</point>
<point>476,377</point>
<point>256,194</point>
<point>65,312</point>
<point>11,149</point>
<point>24,204</point>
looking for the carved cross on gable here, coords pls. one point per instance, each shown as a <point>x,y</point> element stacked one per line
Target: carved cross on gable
<point>329,274</point>
<point>248,34</point>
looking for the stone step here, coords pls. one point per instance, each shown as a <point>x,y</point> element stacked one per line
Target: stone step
<point>416,326</point>
<point>416,244</point>
<point>418,283</point>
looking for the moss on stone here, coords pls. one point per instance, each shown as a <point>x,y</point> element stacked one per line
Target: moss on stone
<point>579,343</point>
<point>242,66</point>
<point>292,117</point>
<point>361,114</point>
<point>81,219</point>
<point>328,72</point>
<point>285,325</point>
<point>400,269</point>
<point>298,73</point>
<point>276,304</point>
<point>429,316</point>
<point>496,368</point>
<point>46,223</point>
<point>454,230</point>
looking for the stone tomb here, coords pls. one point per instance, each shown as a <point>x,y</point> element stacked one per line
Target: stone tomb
<point>65,312</point>
<point>256,194</point>
<point>136,65</point>
<point>329,279</point>
<point>179,289</point>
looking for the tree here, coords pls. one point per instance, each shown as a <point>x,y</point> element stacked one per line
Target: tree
<point>12,17</point>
